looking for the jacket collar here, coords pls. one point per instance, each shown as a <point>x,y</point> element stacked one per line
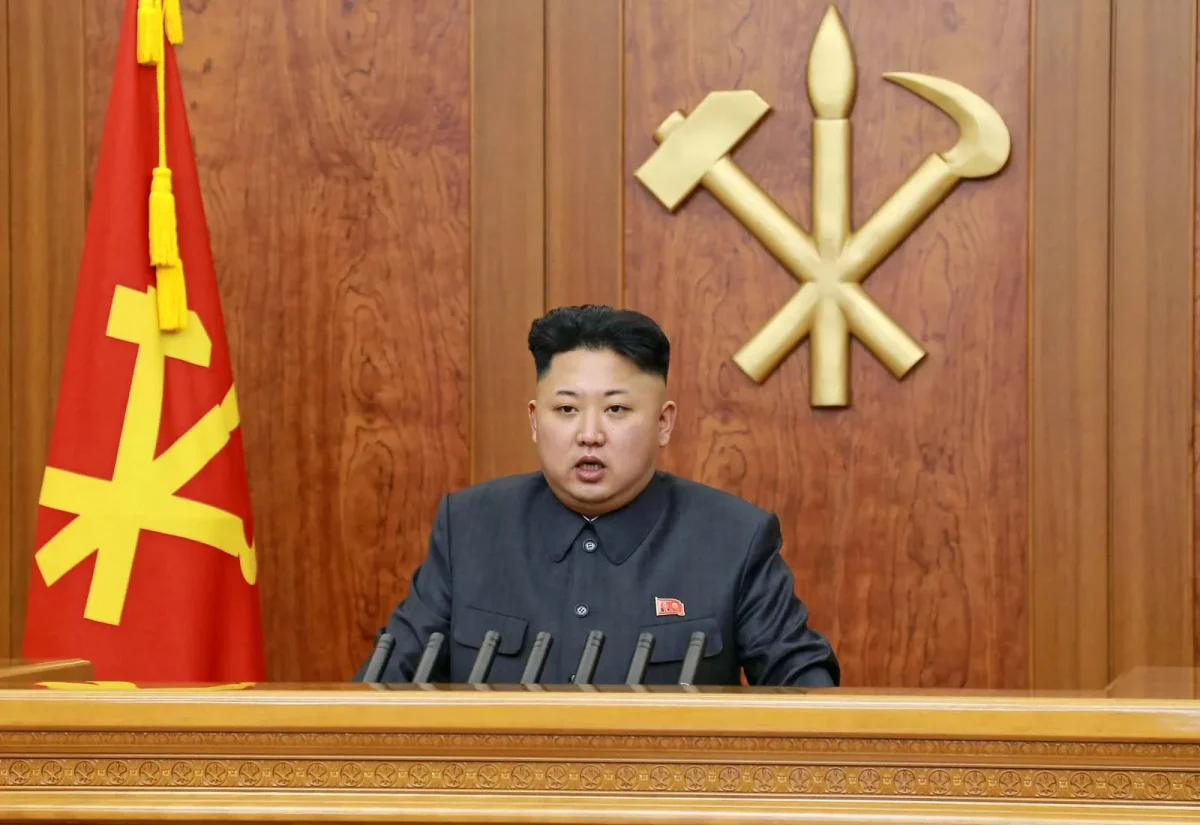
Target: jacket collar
<point>621,532</point>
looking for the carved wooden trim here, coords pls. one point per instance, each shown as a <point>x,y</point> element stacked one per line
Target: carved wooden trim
<point>759,779</point>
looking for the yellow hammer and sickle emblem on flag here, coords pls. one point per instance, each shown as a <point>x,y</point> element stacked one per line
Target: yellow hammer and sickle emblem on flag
<point>141,495</point>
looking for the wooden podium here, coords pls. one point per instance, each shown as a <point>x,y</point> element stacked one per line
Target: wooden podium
<point>22,672</point>
<point>456,754</point>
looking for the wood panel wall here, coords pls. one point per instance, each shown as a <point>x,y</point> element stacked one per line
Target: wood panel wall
<point>584,158</point>
<point>395,189</point>
<point>1152,327</point>
<point>334,149</point>
<point>508,215</point>
<point>1069,350</point>
<point>903,515</point>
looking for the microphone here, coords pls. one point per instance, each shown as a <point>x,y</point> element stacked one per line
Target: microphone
<point>691,659</point>
<point>379,658</point>
<point>425,666</point>
<point>537,659</point>
<point>587,662</point>
<point>483,660</point>
<point>641,657</point>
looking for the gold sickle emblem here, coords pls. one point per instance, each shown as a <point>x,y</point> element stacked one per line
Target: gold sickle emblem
<point>110,515</point>
<point>831,263</point>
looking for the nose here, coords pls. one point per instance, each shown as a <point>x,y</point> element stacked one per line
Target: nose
<point>593,438</point>
<point>591,434</point>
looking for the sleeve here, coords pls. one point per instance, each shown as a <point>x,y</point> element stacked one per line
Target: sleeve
<point>775,643</point>
<point>424,611</point>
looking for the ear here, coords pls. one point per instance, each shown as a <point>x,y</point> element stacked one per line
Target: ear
<point>533,420</point>
<point>666,423</point>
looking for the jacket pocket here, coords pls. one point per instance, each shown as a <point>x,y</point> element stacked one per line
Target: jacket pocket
<point>671,638</point>
<point>472,624</point>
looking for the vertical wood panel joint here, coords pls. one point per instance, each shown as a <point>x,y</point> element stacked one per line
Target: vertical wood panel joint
<point>1069,306</point>
<point>1153,291</point>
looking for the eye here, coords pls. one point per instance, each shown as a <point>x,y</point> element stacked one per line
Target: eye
<point>618,408</point>
<point>565,408</point>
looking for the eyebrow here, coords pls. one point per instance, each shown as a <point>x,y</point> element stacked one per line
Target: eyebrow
<point>607,393</point>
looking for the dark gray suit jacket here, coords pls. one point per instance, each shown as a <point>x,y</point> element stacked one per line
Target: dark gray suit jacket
<point>506,555</point>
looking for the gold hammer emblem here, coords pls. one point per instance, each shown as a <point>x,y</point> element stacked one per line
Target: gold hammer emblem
<point>831,263</point>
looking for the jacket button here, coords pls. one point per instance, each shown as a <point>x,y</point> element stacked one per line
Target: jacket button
<point>589,545</point>
<point>581,610</point>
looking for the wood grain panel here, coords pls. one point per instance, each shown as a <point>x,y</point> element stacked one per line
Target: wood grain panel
<point>507,227</point>
<point>1068,332</point>
<point>6,318</point>
<point>584,140</point>
<point>904,515</point>
<point>48,214</point>
<point>1154,71</point>
<point>333,148</point>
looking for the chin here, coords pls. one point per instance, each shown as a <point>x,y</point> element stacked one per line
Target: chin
<point>589,492</point>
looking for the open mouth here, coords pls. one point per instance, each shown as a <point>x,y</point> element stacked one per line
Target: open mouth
<point>589,468</point>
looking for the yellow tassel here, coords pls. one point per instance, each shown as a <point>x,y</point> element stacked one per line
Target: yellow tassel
<point>164,240</point>
<point>174,21</point>
<point>149,32</point>
<point>172,298</point>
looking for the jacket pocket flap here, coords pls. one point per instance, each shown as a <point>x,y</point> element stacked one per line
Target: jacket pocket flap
<point>671,638</point>
<point>472,624</point>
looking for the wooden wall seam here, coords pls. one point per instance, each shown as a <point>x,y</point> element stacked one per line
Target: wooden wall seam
<point>6,334</point>
<point>584,162</point>
<point>48,217</point>
<point>1108,325</point>
<point>1068,389</point>
<point>507,226</point>
<point>1194,590</point>
<point>620,49</point>
<point>1152,401</point>
<point>1195,485</point>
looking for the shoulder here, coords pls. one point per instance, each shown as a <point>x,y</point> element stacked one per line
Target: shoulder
<point>501,493</point>
<point>751,536</point>
<point>710,504</point>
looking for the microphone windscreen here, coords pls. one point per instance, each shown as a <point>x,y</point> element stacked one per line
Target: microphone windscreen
<point>691,659</point>
<point>483,660</point>
<point>428,658</point>
<point>379,657</point>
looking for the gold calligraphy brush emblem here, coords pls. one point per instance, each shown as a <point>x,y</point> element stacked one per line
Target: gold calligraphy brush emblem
<point>832,262</point>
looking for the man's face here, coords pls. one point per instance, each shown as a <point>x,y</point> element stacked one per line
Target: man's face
<point>598,423</point>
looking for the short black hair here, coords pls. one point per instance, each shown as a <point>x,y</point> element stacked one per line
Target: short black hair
<point>626,332</point>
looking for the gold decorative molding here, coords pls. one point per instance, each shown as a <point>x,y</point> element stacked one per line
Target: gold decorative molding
<point>832,262</point>
<point>611,777</point>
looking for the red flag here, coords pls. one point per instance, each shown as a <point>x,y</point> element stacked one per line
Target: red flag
<point>144,561</point>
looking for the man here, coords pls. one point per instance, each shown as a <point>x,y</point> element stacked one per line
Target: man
<point>599,539</point>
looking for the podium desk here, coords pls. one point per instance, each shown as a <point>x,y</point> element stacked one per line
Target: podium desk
<point>24,671</point>
<point>469,754</point>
